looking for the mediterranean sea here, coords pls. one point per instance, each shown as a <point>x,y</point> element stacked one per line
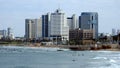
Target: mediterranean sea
<point>41,57</point>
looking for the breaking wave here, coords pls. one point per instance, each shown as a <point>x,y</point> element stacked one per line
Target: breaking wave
<point>19,49</point>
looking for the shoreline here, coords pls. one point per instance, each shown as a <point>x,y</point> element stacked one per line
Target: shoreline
<point>75,47</point>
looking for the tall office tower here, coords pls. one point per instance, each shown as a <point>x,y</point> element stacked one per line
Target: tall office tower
<point>58,25</point>
<point>73,22</point>
<point>89,20</point>
<point>33,28</point>
<point>10,33</point>
<point>45,25</point>
<point>79,21</point>
<point>113,32</point>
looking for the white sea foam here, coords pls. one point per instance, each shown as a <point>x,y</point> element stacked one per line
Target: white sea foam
<point>105,51</point>
<point>110,66</point>
<point>112,61</point>
<point>34,48</point>
<point>100,58</point>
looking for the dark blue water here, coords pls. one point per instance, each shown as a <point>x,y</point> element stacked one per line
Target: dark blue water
<point>31,57</point>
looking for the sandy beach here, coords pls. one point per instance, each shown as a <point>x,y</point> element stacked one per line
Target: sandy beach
<point>112,47</point>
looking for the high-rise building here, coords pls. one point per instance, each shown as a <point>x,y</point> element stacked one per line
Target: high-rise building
<point>89,20</point>
<point>73,22</point>
<point>10,33</point>
<point>79,21</point>
<point>113,32</point>
<point>29,27</point>
<point>118,31</point>
<point>45,25</point>
<point>33,28</point>
<point>38,28</point>
<point>58,25</point>
<point>3,34</point>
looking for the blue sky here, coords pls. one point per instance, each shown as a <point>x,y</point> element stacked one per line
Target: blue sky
<point>14,12</point>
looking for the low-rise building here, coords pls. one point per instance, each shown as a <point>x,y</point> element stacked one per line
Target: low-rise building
<point>106,38</point>
<point>83,37</point>
<point>116,39</point>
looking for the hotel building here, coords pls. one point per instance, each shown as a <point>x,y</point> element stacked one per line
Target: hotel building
<point>58,26</point>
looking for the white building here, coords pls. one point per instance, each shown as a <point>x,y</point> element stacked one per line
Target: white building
<point>114,32</point>
<point>73,22</point>
<point>33,28</point>
<point>58,26</point>
<point>3,34</point>
<point>38,28</point>
<point>118,31</point>
<point>10,33</point>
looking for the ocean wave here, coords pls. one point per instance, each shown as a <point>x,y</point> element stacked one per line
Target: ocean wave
<point>15,49</point>
<point>109,66</point>
<point>105,51</point>
<point>100,58</point>
<point>112,61</point>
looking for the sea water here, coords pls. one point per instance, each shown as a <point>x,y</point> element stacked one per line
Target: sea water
<point>38,57</point>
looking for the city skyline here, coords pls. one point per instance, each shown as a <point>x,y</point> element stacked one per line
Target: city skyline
<point>14,12</point>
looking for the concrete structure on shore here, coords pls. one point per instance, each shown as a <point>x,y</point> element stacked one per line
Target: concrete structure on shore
<point>59,28</point>
<point>33,28</point>
<point>89,20</point>
<point>81,36</point>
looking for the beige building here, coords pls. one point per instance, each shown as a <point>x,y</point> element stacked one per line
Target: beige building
<point>33,28</point>
<point>81,36</point>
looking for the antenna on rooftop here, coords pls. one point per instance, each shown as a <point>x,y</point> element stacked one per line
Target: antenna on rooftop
<point>59,6</point>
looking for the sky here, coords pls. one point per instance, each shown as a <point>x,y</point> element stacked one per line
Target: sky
<point>14,12</point>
